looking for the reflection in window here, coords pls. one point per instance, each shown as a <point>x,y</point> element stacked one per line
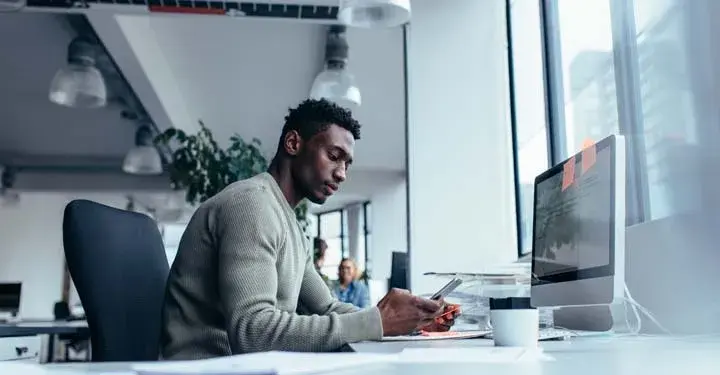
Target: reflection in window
<point>668,121</point>
<point>530,126</point>
<point>588,74</point>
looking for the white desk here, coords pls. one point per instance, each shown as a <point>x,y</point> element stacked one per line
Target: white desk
<point>25,340</point>
<point>579,356</point>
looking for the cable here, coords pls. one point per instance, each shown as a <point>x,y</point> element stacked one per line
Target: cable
<point>637,309</point>
<point>637,306</point>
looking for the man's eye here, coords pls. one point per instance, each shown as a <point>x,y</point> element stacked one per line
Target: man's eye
<point>334,157</point>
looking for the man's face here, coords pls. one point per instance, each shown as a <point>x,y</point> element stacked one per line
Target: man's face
<point>322,163</point>
<point>346,271</point>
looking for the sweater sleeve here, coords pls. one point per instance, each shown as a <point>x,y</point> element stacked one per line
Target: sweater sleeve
<point>249,233</point>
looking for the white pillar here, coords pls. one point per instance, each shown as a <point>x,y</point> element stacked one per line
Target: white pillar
<point>461,183</point>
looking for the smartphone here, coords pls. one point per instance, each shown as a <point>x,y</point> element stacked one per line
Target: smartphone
<point>447,289</point>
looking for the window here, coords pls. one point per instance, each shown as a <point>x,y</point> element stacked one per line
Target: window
<point>669,126</point>
<point>590,94</point>
<point>586,71</point>
<point>331,229</point>
<point>625,67</point>
<point>334,228</point>
<point>528,108</point>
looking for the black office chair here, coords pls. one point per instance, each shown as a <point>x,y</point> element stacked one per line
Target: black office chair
<point>399,270</point>
<point>117,261</point>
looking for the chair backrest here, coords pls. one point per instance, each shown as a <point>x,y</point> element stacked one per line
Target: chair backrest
<point>117,261</point>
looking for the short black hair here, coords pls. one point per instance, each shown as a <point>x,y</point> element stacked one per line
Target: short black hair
<point>319,248</point>
<point>313,116</point>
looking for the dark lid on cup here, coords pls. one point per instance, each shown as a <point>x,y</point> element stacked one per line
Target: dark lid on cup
<point>510,303</point>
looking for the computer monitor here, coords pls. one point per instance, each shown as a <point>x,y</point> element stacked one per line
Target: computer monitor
<point>578,249</point>
<point>399,271</point>
<point>10,298</point>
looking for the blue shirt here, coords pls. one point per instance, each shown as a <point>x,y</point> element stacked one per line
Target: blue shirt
<point>356,293</point>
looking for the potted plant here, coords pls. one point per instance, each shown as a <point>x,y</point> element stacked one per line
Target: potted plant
<point>202,168</point>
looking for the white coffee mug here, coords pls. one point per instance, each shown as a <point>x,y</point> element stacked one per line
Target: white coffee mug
<point>514,324</point>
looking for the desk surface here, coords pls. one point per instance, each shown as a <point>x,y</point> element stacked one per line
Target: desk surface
<point>29,328</point>
<point>586,356</point>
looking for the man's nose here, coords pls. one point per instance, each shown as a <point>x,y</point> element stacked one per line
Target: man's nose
<point>340,174</point>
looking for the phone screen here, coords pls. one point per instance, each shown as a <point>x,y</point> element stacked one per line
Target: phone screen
<point>447,289</point>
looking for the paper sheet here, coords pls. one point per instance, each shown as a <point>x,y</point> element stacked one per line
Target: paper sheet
<point>269,363</point>
<point>453,335</point>
<point>480,354</point>
<point>588,155</point>
<point>568,173</point>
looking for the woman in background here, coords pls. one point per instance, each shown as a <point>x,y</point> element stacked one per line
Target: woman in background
<point>347,288</point>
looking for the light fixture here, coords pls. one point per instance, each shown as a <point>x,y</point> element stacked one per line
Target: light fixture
<point>144,158</point>
<point>79,84</point>
<point>374,13</point>
<point>11,5</point>
<point>335,82</point>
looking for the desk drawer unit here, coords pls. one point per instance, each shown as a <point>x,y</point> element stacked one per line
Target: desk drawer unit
<point>20,348</point>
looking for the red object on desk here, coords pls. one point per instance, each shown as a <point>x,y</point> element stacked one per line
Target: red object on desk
<point>436,334</point>
<point>448,314</point>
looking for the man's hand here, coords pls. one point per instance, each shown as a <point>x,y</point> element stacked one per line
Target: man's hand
<point>445,321</point>
<point>403,313</point>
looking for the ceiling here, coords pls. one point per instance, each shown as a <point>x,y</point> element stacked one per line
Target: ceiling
<point>237,75</point>
<point>242,75</point>
<point>34,47</point>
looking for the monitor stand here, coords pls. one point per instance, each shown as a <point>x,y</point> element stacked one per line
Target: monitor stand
<point>617,318</point>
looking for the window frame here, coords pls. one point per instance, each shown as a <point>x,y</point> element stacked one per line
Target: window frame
<point>550,133</point>
<point>366,232</point>
<point>345,248</point>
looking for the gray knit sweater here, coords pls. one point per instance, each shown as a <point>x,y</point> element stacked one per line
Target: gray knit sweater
<point>242,272</point>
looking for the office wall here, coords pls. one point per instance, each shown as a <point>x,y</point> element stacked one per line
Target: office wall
<point>388,226</point>
<point>31,247</point>
<point>462,209</point>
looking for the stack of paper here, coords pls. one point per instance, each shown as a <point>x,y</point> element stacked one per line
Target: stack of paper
<point>269,363</point>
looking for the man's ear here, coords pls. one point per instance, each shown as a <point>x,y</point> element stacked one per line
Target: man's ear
<point>293,143</point>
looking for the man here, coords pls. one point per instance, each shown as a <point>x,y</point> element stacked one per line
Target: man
<point>244,269</point>
<point>347,288</point>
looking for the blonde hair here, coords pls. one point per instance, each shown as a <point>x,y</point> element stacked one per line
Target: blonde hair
<point>356,270</point>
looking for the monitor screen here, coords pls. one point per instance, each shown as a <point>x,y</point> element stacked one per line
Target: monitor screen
<point>398,272</point>
<point>574,218</point>
<point>10,297</point>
